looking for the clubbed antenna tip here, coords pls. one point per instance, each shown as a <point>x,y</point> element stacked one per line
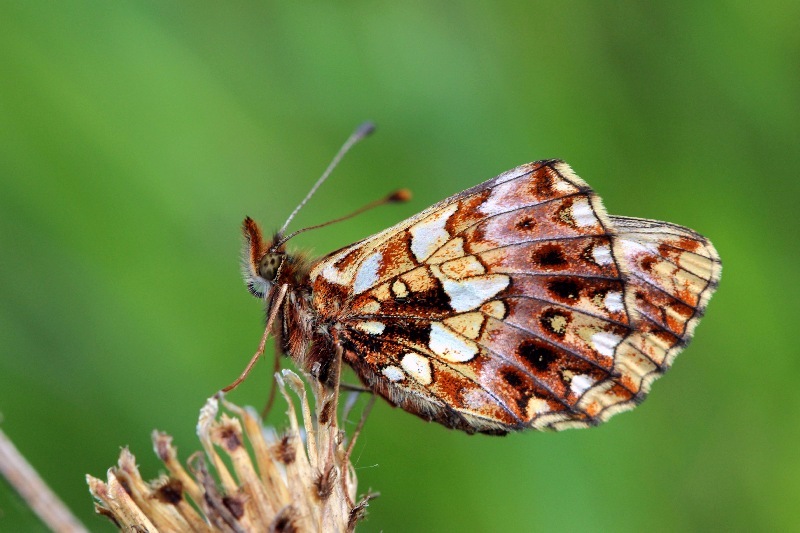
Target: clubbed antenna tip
<point>364,130</point>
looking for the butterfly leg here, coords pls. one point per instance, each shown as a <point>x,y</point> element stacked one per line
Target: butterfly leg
<point>352,443</point>
<point>360,426</point>
<point>355,388</point>
<point>337,373</point>
<point>273,388</point>
<point>354,391</point>
<point>262,345</point>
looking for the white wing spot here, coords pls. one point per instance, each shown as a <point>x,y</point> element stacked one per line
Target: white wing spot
<point>430,234</point>
<point>393,373</point>
<point>580,383</point>
<point>605,343</point>
<point>371,327</point>
<point>333,274</point>
<point>582,213</point>
<point>470,293</point>
<point>449,345</point>
<point>613,301</point>
<point>602,254</point>
<point>367,275</point>
<point>632,248</point>
<point>418,367</point>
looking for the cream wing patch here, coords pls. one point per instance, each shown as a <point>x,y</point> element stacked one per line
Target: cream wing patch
<point>372,327</point>
<point>449,345</point>
<point>495,309</point>
<point>463,267</point>
<point>466,324</point>
<point>393,373</point>
<point>605,343</point>
<point>581,383</point>
<point>400,289</point>
<point>333,274</point>
<point>367,274</point>
<point>470,293</point>
<point>453,249</point>
<point>418,367</point>
<point>602,254</point>
<point>430,234</point>
<point>582,213</point>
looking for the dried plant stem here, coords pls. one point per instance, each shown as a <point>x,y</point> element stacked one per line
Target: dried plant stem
<point>32,488</point>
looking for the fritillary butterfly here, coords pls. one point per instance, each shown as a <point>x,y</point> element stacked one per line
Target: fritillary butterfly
<point>519,303</point>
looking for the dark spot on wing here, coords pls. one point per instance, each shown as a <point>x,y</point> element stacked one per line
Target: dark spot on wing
<point>512,377</point>
<point>565,289</point>
<point>537,354</point>
<point>526,224</point>
<point>647,263</point>
<point>550,256</point>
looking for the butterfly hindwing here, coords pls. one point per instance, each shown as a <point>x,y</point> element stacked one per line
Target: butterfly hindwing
<point>517,303</point>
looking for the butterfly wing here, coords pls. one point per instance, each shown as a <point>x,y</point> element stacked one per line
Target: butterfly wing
<point>513,304</point>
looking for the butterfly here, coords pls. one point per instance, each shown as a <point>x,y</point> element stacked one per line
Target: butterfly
<point>518,303</point>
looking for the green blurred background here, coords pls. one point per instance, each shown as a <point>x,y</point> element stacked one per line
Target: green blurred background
<point>135,136</point>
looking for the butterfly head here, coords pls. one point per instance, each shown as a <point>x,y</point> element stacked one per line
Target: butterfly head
<point>262,262</point>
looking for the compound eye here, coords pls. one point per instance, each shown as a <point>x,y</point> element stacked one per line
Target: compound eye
<point>269,266</point>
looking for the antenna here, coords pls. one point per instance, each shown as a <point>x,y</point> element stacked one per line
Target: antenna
<point>398,196</point>
<point>360,133</point>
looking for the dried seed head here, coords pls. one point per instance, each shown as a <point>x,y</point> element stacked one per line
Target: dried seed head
<point>262,482</point>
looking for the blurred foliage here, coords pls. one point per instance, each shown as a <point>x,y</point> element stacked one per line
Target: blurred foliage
<point>135,136</point>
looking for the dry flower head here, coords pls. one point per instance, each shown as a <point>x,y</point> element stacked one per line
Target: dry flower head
<point>301,480</point>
